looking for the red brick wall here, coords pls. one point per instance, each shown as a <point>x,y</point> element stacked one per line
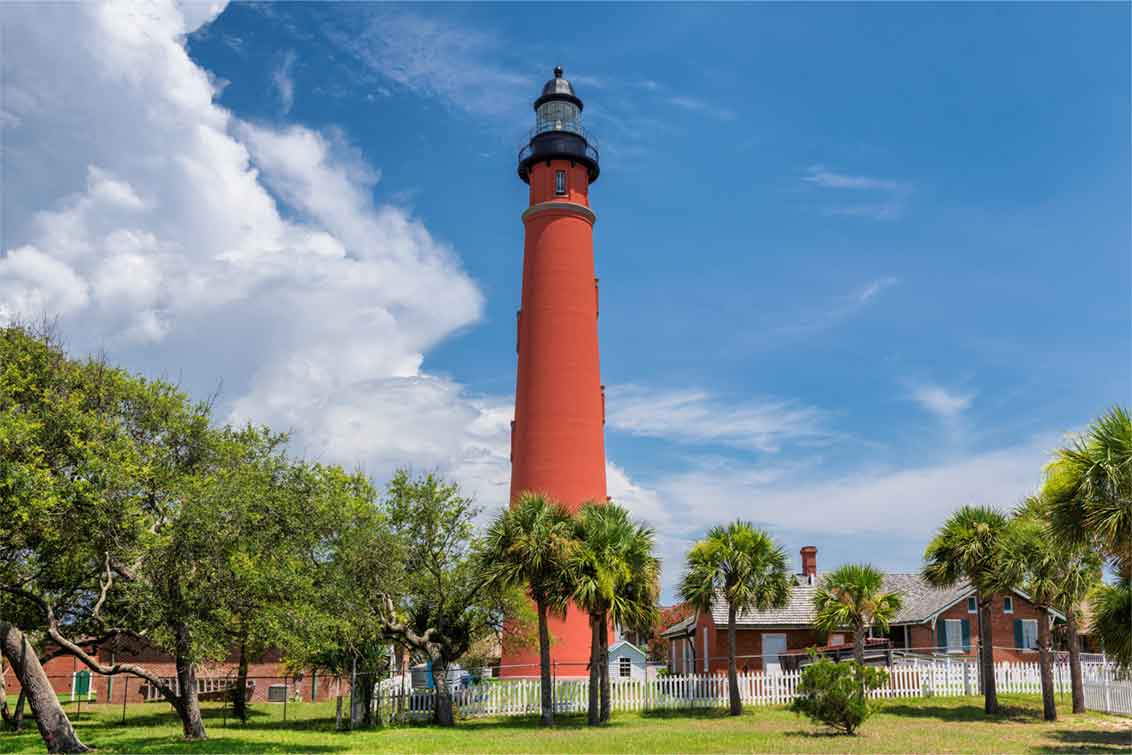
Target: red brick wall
<point>922,637</point>
<point>749,648</point>
<point>268,670</point>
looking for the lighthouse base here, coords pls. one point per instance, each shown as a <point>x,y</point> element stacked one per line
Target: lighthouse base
<point>569,649</point>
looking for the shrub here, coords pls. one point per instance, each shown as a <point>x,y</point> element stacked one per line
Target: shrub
<point>835,694</point>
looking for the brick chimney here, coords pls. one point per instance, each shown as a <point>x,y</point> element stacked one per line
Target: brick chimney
<point>809,561</point>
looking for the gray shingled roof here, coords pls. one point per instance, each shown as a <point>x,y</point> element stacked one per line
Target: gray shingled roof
<point>921,601</point>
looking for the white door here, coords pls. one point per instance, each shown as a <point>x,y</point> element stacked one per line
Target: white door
<point>774,645</point>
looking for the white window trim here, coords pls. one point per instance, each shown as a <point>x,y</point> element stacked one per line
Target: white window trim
<point>1008,601</point>
<point>624,664</point>
<point>976,600</point>
<point>560,175</point>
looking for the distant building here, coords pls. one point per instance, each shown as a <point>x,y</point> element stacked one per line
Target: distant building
<point>932,622</point>
<point>626,661</point>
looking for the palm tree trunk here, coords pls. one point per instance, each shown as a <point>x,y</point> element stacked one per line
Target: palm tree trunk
<point>606,704</point>
<point>859,644</point>
<point>986,655</point>
<point>593,717</point>
<point>732,671</point>
<point>547,698</point>
<point>1045,667</point>
<point>1076,679</point>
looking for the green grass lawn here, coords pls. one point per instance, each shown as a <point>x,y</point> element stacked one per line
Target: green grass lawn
<point>937,725</point>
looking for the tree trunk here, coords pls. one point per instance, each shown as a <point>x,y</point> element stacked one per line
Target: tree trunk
<point>1076,680</point>
<point>547,697</point>
<point>603,663</point>
<point>859,645</point>
<point>18,716</point>
<point>338,709</point>
<point>240,693</point>
<point>188,704</point>
<point>593,717</point>
<point>54,726</point>
<point>986,655</point>
<point>442,714</point>
<point>732,670</point>
<point>14,718</point>
<point>1045,667</point>
<point>367,685</point>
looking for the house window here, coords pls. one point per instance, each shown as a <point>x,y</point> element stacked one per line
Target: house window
<point>1008,604</point>
<point>954,634</point>
<point>687,643</point>
<point>560,182</point>
<point>1026,634</point>
<point>972,605</point>
<point>624,668</point>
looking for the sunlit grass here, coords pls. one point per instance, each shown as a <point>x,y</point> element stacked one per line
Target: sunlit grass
<point>940,725</point>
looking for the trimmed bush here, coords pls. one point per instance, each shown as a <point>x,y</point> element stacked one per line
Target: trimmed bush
<point>835,694</point>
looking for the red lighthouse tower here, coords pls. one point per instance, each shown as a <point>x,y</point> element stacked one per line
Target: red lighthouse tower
<point>558,437</point>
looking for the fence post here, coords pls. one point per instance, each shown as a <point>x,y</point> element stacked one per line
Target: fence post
<point>1107,695</point>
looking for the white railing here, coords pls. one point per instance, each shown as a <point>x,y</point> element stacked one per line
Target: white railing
<point>944,678</point>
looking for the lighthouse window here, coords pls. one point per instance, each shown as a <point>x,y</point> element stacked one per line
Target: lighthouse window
<point>560,182</point>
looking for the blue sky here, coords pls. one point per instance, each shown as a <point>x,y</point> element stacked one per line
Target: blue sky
<point>860,264</point>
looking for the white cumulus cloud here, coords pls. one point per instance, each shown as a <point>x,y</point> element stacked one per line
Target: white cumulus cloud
<point>149,219</point>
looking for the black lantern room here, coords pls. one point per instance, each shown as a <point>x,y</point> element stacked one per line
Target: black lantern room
<point>558,132</point>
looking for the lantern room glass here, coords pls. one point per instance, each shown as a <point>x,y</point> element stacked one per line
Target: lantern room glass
<point>558,115</point>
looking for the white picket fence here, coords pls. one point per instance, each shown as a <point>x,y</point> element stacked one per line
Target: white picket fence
<point>917,678</point>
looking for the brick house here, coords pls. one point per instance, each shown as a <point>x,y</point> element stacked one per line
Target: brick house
<point>268,678</point>
<point>932,621</point>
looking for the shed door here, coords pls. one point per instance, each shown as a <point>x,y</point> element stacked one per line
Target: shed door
<point>774,645</point>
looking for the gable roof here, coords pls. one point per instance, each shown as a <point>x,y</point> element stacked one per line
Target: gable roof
<point>628,646</point>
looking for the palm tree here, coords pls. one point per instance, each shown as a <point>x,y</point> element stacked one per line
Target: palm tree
<point>1088,487</point>
<point>1031,561</point>
<point>969,547</point>
<point>742,565</point>
<point>1055,574</point>
<point>615,578</point>
<point>1112,606</point>
<point>531,544</point>
<point>853,596</point>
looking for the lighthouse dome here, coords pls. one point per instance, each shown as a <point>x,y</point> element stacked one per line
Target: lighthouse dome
<point>558,89</point>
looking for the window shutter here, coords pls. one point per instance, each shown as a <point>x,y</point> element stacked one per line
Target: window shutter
<point>1019,638</point>
<point>966,625</point>
<point>941,634</point>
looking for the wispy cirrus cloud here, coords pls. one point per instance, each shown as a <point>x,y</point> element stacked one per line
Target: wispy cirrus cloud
<point>891,196</point>
<point>942,402</point>
<point>457,64</point>
<point>284,82</point>
<point>700,417</point>
<point>874,288</point>
<point>697,105</point>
